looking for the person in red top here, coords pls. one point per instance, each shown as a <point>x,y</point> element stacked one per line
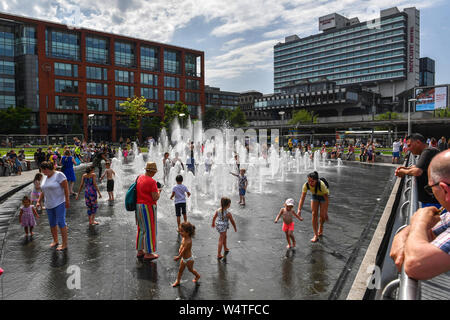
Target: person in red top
<point>147,196</point>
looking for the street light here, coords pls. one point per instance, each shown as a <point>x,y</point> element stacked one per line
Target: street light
<point>409,115</point>
<point>90,120</point>
<point>281,113</point>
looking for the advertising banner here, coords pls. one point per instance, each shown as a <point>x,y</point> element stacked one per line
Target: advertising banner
<point>429,99</point>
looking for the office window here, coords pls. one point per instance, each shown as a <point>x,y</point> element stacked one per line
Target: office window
<point>171,95</point>
<point>96,73</point>
<point>172,62</point>
<point>124,54</point>
<point>171,82</point>
<point>66,103</point>
<point>6,67</point>
<point>124,91</point>
<point>150,58</point>
<point>194,97</point>
<point>64,45</point>
<point>97,104</point>
<point>66,86</point>
<point>149,93</point>
<point>7,101</point>
<point>192,65</point>
<point>192,84</point>
<point>124,76</point>
<point>26,40</point>
<point>66,69</point>
<point>6,41</point>
<point>149,79</point>
<point>98,89</point>
<point>97,50</point>
<point>7,84</point>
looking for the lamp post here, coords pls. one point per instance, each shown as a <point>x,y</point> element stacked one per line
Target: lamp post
<point>409,115</point>
<point>281,113</point>
<point>90,120</point>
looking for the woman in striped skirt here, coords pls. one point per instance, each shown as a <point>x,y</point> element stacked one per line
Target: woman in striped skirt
<point>146,213</point>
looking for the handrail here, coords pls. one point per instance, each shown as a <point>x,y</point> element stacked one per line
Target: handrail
<point>409,288</point>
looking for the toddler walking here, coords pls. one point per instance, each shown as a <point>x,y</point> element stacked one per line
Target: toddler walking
<point>179,192</point>
<point>288,221</point>
<point>36,193</point>
<point>223,218</point>
<point>27,215</point>
<point>187,231</point>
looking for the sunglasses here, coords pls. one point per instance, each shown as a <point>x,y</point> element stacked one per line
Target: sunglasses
<point>429,189</point>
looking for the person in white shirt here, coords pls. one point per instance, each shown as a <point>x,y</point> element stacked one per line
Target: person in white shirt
<point>55,192</point>
<point>396,151</point>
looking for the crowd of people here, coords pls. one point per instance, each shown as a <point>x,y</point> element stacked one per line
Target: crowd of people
<point>423,247</point>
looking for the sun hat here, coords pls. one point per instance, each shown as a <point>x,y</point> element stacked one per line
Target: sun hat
<point>290,202</point>
<point>151,166</point>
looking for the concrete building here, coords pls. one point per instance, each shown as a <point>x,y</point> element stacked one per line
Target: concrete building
<point>64,74</point>
<point>247,104</point>
<point>381,54</point>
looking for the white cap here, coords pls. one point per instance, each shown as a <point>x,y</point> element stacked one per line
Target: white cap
<point>290,202</point>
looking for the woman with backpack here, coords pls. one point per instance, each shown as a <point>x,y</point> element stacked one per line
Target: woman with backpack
<point>319,202</point>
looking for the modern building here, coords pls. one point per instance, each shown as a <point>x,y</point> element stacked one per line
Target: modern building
<point>65,74</point>
<point>217,98</point>
<point>381,54</point>
<point>247,104</point>
<point>427,73</point>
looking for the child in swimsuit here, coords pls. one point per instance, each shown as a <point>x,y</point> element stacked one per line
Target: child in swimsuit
<point>288,221</point>
<point>187,231</point>
<point>222,216</point>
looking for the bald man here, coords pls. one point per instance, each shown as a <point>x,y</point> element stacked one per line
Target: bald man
<point>424,246</point>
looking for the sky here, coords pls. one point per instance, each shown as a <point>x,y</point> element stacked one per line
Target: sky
<point>237,36</point>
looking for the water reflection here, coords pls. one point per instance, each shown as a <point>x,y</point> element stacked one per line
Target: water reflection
<point>317,271</point>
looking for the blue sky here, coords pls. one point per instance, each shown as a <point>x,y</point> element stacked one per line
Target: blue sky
<point>237,36</point>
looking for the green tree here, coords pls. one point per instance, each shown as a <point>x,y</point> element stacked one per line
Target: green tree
<point>303,116</point>
<point>172,112</point>
<point>237,118</point>
<point>135,110</point>
<point>388,116</point>
<point>15,120</point>
<point>442,113</point>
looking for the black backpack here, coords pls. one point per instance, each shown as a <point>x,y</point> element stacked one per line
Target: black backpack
<point>318,185</point>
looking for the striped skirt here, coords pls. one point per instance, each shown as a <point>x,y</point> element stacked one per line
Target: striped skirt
<point>146,222</point>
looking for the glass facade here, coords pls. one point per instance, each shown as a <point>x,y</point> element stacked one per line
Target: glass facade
<point>150,58</point>
<point>63,45</point>
<point>7,84</point>
<point>350,55</point>
<point>68,86</point>
<point>7,67</point>
<point>25,41</point>
<point>7,101</point>
<point>95,104</point>
<point>6,41</point>
<point>66,103</point>
<point>192,65</point>
<point>149,93</point>
<point>192,84</point>
<point>124,54</point>
<point>97,50</point>
<point>171,82</point>
<point>98,89</point>
<point>124,76</point>
<point>171,95</point>
<point>66,69</point>
<point>172,62</point>
<point>96,73</point>
<point>124,91</point>
<point>149,79</point>
<point>192,97</point>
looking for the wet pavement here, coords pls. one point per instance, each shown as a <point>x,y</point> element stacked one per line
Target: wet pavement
<point>258,266</point>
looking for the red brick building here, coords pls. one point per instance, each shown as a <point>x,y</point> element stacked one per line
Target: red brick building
<point>65,74</point>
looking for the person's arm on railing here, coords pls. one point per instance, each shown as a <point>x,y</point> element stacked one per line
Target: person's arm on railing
<point>423,260</point>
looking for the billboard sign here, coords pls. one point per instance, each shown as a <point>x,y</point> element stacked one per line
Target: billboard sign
<point>327,22</point>
<point>429,99</point>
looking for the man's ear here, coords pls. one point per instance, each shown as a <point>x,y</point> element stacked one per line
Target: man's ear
<point>446,189</point>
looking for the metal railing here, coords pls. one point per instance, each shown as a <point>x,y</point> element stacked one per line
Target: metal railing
<point>408,288</point>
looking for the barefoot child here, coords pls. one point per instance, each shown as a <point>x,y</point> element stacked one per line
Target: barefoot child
<point>222,225</point>
<point>90,193</point>
<point>109,180</point>
<point>36,193</point>
<point>243,183</point>
<point>179,192</point>
<point>288,223</point>
<point>187,231</point>
<point>26,216</point>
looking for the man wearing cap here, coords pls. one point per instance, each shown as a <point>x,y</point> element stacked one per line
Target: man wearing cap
<point>146,213</point>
